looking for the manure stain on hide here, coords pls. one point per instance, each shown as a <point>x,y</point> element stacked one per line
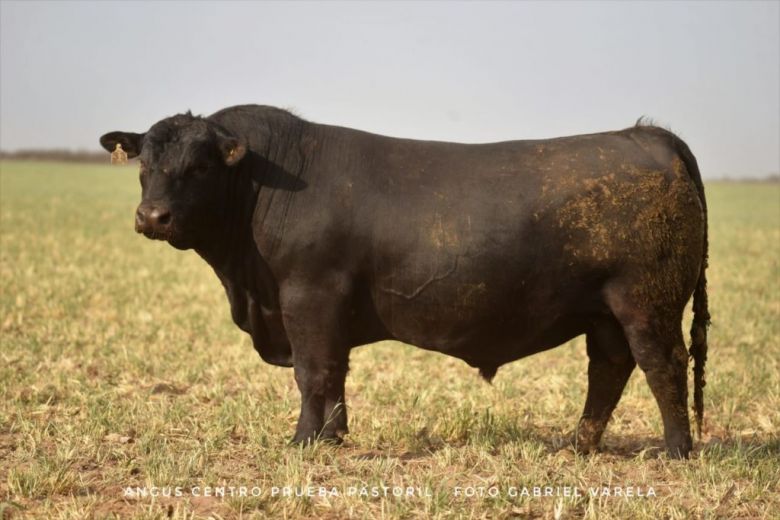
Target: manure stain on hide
<point>645,215</point>
<point>672,224</point>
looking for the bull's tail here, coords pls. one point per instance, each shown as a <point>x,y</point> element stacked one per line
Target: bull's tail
<point>698,350</point>
<point>701,313</point>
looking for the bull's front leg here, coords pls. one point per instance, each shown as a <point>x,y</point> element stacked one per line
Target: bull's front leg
<point>313,319</point>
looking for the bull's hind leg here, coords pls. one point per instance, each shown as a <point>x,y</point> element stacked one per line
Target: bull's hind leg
<point>609,368</point>
<point>660,353</point>
<point>656,342</point>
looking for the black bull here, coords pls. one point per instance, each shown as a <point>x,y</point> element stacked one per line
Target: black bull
<point>327,238</point>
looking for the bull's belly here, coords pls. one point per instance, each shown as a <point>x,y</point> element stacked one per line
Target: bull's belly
<point>493,344</point>
<point>486,329</point>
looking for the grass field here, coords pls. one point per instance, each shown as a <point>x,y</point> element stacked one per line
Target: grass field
<point>120,367</point>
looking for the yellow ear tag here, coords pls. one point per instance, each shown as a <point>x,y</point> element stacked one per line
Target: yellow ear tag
<point>118,156</point>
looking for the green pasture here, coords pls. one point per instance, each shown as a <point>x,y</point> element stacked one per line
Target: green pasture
<point>120,368</point>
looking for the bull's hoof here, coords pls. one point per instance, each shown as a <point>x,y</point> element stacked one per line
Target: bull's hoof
<point>587,437</point>
<point>584,446</point>
<point>678,445</point>
<point>307,439</point>
<point>585,449</point>
<point>679,452</point>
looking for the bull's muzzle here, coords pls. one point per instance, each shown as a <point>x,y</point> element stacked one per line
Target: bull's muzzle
<point>153,220</point>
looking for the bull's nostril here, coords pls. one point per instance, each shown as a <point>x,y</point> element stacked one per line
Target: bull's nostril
<point>163,217</point>
<point>139,218</point>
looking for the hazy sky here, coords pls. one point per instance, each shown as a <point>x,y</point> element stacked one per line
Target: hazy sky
<point>70,71</point>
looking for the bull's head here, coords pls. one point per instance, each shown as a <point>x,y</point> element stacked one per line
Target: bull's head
<point>184,167</point>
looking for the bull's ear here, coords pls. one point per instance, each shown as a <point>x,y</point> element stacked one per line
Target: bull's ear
<point>231,148</point>
<point>131,143</point>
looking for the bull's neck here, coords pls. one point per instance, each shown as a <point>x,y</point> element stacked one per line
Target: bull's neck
<point>229,241</point>
<point>276,164</point>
